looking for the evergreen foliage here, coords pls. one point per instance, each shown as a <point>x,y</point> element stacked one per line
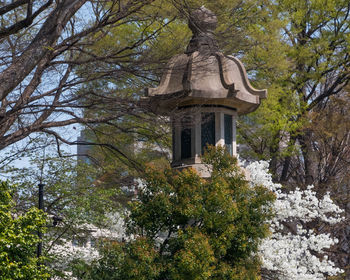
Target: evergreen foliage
<point>186,227</point>
<point>19,239</point>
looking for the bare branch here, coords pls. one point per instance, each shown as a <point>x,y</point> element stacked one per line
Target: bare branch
<point>9,7</point>
<point>27,21</point>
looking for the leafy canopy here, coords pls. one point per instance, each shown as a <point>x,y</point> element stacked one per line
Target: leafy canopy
<point>18,240</point>
<point>187,227</point>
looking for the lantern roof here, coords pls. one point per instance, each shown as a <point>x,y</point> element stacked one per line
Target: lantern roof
<point>203,75</point>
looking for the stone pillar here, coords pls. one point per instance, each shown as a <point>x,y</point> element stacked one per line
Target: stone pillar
<point>234,144</point>
<point>219,129</point>
<point>197,138</point>
<point>177,139</point>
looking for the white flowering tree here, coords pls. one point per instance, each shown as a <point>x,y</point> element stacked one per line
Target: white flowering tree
<point>291,251</point>
<point>67,252</point>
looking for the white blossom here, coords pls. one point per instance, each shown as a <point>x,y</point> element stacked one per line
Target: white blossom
<point>66,250</point>
<point>285,253</point>
<point>289,254</point>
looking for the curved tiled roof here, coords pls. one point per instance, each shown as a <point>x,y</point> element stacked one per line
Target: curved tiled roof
<point>203,75</point>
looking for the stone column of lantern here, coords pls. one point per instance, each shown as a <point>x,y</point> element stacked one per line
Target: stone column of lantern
<point>203,91</point>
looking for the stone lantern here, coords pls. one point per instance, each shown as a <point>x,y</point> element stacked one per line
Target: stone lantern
<point>203,91</point>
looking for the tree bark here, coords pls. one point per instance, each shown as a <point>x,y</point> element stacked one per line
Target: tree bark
<point>39,47</point>
<point>305,141</point>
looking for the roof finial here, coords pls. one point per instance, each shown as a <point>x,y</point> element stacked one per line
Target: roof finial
<point>202,22</point>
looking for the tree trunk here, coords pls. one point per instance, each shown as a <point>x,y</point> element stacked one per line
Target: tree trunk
<point>39,47</point>
<point>305,141</point>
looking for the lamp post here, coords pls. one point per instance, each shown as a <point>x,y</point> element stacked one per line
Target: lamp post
<point>203,92</point>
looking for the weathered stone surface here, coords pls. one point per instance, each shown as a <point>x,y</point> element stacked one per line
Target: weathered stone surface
<point>199,82</point>
<point>202,22</point>
<point>203,75</point>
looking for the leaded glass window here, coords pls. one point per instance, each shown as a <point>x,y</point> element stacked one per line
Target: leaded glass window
<point>174,141</point>
<point>228,133</point>
<point>186,131</point>
<point>207,130</point>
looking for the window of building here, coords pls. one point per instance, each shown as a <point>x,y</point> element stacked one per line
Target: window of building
<point>186,135</point>
<point>79,241</point>
<point>228,133</point>
<point>207,130</point>
<point>174,141</point>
